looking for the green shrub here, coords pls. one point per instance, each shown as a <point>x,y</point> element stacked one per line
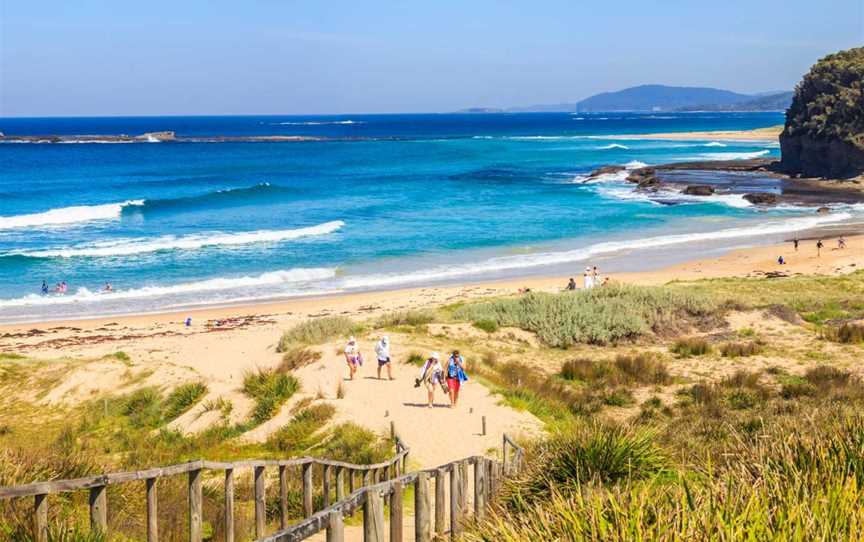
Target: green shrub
<point>142,407</point>
<point>296,435</point>
<point>741,349</point>
<point>598,316</point>
<point>317,331</point>
<point>643,368</point>
<point>849,333</point>
<point>691,346</point>
<point>415,358</point>
<point>487,325</point>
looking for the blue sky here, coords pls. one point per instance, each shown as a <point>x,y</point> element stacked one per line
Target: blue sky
<point>80,57</point>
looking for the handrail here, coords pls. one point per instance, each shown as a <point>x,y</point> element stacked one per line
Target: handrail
<point>487,477</point>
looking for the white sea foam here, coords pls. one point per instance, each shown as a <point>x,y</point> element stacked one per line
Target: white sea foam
<point>715,144</point>
<point>127,247</point>
<point>667,197</point>
<point>319,122</point>
<point>67,215</point>
<point>265,280</point>
<point>612,146</point>
<point>523,261</point>
<point>616,177</point>
<point>733,155</point>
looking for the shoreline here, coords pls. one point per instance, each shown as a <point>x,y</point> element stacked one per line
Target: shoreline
<point>770,133</point>
<point>741,262</point>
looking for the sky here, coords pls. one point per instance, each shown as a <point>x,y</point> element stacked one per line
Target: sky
<point>196,57</point>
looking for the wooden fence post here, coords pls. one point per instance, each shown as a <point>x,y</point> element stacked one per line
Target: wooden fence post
<point>340,483</point>
<point>483,430</point>
<point>325,485</point>
<point>229,505</point>
<point>335,527</point>
<point>440,480</point>
<point>373,517</point>
<point>367,477</point>
<point>455,501</point>
<point>40,517</point>
<point>195,502</point>
<point>504,453</point>
<point>98,509</point>
<point>260,505</point>
<point>283,496</point>
<point>396,512</point>
<point>479,488</point>
<point>463,487</point>
<point>421,508</point>
<point>351,486</point>
<point>307,489</point>
<point>491,474</point>
<point>152,510</point>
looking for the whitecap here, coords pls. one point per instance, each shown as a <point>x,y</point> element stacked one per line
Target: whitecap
<point>67,215</point>
<point>733,155</point>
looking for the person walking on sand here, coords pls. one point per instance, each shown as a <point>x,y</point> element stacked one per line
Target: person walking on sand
<point>455,376</point>
<point>841,243</point>
<point>432,375</point>
<point>382,352</point>
<point>588,280</point>
<point>819,245</point>
<point>595,276</point>
<point>795,244</point>
<point>353,357</point>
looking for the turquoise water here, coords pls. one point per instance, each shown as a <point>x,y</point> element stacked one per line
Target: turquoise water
<point>386,201</point>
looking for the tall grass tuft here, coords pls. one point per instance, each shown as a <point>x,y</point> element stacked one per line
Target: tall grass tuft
<point>641,368</point>
<point>317,331</point>
<point>741,349</point>
<point>297,435</point>
<point>296,357</point>
<point>690,347</point>
<point>270,389</point>
<point>405,318</point>
<point>598,316</point>
<point>182,398</point>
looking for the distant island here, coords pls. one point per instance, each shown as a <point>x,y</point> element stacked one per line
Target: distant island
<point>660,98</point>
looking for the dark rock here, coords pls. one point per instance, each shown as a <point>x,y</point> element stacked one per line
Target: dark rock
<point>761,198</point>
<point>833,159</point>
<point>605,170</point>
<point>699,190</point>
<point>823,210</point>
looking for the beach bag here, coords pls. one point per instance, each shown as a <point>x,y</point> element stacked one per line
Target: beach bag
<point>444,387</point>
<point>461,375</point>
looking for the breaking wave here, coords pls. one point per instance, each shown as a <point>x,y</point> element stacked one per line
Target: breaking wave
<point>67,215</point>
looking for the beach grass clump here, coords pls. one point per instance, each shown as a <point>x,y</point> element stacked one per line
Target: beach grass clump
<point>405,318</point>
<point>182,398</point>
<point>297,435</point>
<point>626,369</point>
<point>848,333</point>
<point>689,347</point>
<point>598,316</point>
<point>415,358</point>
<point>317,331</point>
<point>738,349</point>
<point>351,442</point>
<point>296,357</point>
<point>269,388</point>
<point>487,325</point>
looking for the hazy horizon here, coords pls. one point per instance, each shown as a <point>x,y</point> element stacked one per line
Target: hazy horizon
<point>95,58</point>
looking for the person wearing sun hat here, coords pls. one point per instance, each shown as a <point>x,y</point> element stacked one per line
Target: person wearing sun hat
<point>382,351</point>
<point>353,356</point>
<point>431,374</point>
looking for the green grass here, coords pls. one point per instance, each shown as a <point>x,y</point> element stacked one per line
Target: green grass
<point>689,347</point>
<point>317,331</point>
<point>737,349</point>
<point>487,325</point>
<point>296,357</point>
<point>298,434</point>
<point>405,318</point>
<point>597,316</point>
<point>182,398</point>
<point>270,389</point>
<point>641,368</point>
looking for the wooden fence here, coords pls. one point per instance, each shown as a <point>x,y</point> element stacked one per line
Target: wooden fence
<point>370,495</point>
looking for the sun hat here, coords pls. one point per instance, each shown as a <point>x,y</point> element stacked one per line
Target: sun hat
<point>435,355</point>
<point>351,339</point>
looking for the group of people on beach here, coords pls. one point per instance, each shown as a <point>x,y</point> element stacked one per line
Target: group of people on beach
<point>841,245</point>
<point>590,279</point>
<point>432,374</point>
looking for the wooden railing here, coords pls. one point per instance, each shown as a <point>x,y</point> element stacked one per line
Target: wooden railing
<point>487,476</point>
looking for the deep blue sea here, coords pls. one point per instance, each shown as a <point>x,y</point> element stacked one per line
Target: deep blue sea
<point>387,201</point>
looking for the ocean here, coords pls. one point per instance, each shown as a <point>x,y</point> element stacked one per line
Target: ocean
<point>382,202</point>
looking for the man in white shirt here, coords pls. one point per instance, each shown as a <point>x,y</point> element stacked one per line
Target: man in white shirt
<point>382,351</point>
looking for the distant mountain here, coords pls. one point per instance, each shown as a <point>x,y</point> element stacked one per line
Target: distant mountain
<point>779,101</point>
<point>667,98</point>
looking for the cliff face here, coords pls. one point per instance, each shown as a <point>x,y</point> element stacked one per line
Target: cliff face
<point>824,131</point>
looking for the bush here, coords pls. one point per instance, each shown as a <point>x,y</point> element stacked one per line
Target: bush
<point>741,349</point>
<point>643,368</point>
<point>415,358</point>
<point>487,325</point>
<point>296,435</point>
<point>690,346</point>
<point>296,357</point>
<point>405,318</point>
<point>597,316</point>
<point>317,331</point>
<point>850,333</point>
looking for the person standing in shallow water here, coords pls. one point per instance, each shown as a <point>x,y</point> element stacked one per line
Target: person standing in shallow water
<point>382,352</point>
<point>455,376</point>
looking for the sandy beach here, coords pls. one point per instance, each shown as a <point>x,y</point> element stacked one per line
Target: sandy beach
<point>770,133</point>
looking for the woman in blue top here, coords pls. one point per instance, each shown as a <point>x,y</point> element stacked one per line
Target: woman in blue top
<point>455,376</point>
